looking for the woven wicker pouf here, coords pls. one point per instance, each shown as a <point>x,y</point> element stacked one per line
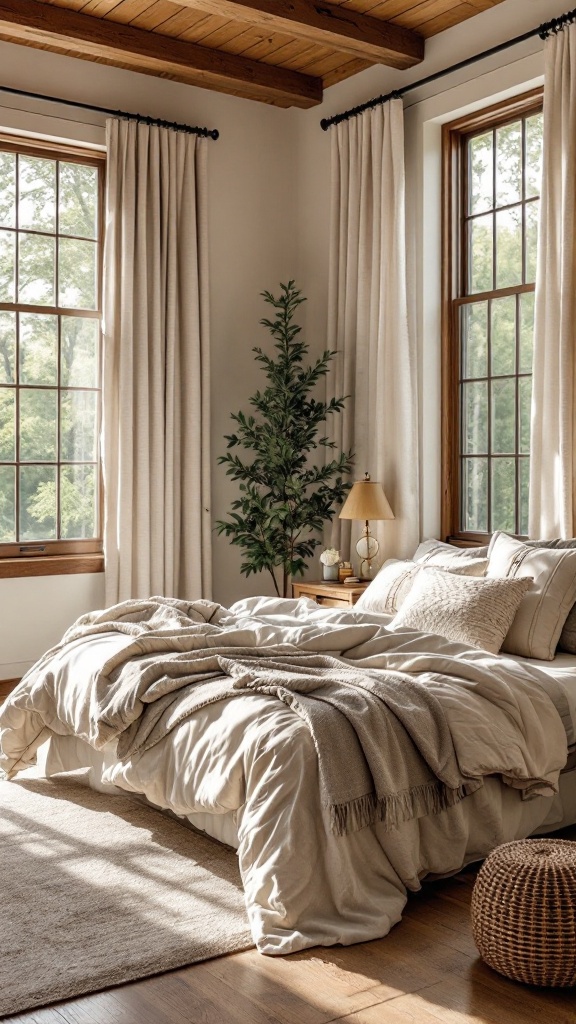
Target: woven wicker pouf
<point>524,911</point>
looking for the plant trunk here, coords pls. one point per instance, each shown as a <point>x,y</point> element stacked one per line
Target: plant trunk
<point>273,575</point>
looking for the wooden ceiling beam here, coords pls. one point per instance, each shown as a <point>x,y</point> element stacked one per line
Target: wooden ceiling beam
<point>154,54</point>
<point>326,25</point>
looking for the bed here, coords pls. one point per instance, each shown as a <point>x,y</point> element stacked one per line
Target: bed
<point>223,718</point>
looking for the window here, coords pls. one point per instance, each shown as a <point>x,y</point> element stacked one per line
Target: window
<point>492,171</point>
<point>50,302</point>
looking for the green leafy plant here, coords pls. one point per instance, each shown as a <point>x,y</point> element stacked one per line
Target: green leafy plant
<point>285,499</point>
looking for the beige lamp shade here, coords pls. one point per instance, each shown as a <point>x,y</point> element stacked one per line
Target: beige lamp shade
<point>366,500</point>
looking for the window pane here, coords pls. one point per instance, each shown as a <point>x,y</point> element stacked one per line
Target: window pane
<point>38,425</point>
<point>38,349</point>
<point>526,331</point>
<point>504,495</point>
<point>509,247</point>
<point>7,266</point>
<point>534,126</point>
<point>531,240</point>
<point>503,337</point>
<point>7,347</point>
<point>78,200</point>
<point>475,418</point>
<point>78,426</point>
<point>37,503</point>
<point>7,425</point>
<point>480,253</point>
<point>79,358</point>
<point>475,495</point>
<point>503,417</point>
<point>8,190</point>
<point>499,216</point>
<point>509,164</point>
<point>36,270</point>
<point>481,173</point>
<point>7,504</point>
<point>77,268</point>
<point>524,411</point>
<point>78,496</point>
<point>475,339</point>
<point>37,205</point>
<point>524,487</point>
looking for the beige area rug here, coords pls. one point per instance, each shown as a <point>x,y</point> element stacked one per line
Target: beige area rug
<point>99,889</point>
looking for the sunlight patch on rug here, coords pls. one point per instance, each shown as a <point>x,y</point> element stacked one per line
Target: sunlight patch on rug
<point>102,889</point>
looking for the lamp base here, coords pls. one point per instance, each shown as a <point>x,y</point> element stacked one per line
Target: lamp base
<point>366,575</point>
<point>367,548</point>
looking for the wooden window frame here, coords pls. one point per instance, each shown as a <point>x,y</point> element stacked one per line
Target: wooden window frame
<point>59,557</point>
<point>454,135</point>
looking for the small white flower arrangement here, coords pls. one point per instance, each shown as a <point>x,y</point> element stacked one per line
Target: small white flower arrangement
<point>330,556</point>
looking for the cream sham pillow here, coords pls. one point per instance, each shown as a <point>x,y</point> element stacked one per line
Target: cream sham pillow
<point>436,552</point>
<point>393,583</point>
<point>473,611</point>
<point>567,641</point>
<point>389,587</point>
<point>540,618</point>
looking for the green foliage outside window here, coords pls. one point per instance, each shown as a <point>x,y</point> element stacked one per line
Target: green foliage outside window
<point>496,332</point>
<point>49,359</point>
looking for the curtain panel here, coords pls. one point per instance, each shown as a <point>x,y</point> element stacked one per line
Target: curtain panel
<point>376,363</point>
<point>155,432</point>
<point>552,508</point>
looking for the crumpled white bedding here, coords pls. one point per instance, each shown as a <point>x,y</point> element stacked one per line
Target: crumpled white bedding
<point>254,757</point>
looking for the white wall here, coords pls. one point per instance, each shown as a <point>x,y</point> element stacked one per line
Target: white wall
<point>252,247</point>
<point>269,221</point>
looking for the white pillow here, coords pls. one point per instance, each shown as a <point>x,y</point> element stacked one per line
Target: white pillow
<point>469,561</point>
<point>389,587</point>
<point>567,641</point>
<point>471,611</point>
<point>543,611</point>
<point>393,583</point>
<point>436,552</point>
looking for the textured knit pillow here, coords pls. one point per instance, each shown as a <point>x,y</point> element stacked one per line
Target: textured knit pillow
<point>538,624</point>
<point>567,641</point>
<point>436,552</point>
<point>471,611</point>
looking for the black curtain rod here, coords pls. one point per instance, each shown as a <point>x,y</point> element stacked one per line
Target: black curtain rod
<point>207,133</point>
<point>545,30</point>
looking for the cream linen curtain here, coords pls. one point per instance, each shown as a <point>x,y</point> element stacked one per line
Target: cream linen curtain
<point>368,321</point>
<point>155,367</point>
<point>552,511</point>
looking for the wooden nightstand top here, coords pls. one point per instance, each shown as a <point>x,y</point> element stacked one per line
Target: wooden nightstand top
<point>331,595</point>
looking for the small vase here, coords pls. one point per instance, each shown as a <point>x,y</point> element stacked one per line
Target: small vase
<point>330,572</point>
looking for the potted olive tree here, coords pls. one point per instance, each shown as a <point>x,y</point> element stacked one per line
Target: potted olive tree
<point>285,497</point>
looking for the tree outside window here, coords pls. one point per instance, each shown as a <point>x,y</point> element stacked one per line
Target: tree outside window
<point>493,161</point>
<point>50,259</point>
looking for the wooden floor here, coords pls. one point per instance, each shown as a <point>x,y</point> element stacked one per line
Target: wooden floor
<point>427,970</point>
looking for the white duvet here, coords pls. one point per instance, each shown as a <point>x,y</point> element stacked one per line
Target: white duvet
<point>254,757</point>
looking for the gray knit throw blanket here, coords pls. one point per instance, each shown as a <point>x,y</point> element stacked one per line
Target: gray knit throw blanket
<point>385,752</point>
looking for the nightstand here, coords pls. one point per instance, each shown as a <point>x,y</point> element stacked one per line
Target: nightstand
<point>331,595</point>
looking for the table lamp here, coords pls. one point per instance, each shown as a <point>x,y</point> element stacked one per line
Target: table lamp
<point>366,501</point>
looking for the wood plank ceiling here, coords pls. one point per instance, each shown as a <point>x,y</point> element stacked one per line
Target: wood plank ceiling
<point>283,52</point>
